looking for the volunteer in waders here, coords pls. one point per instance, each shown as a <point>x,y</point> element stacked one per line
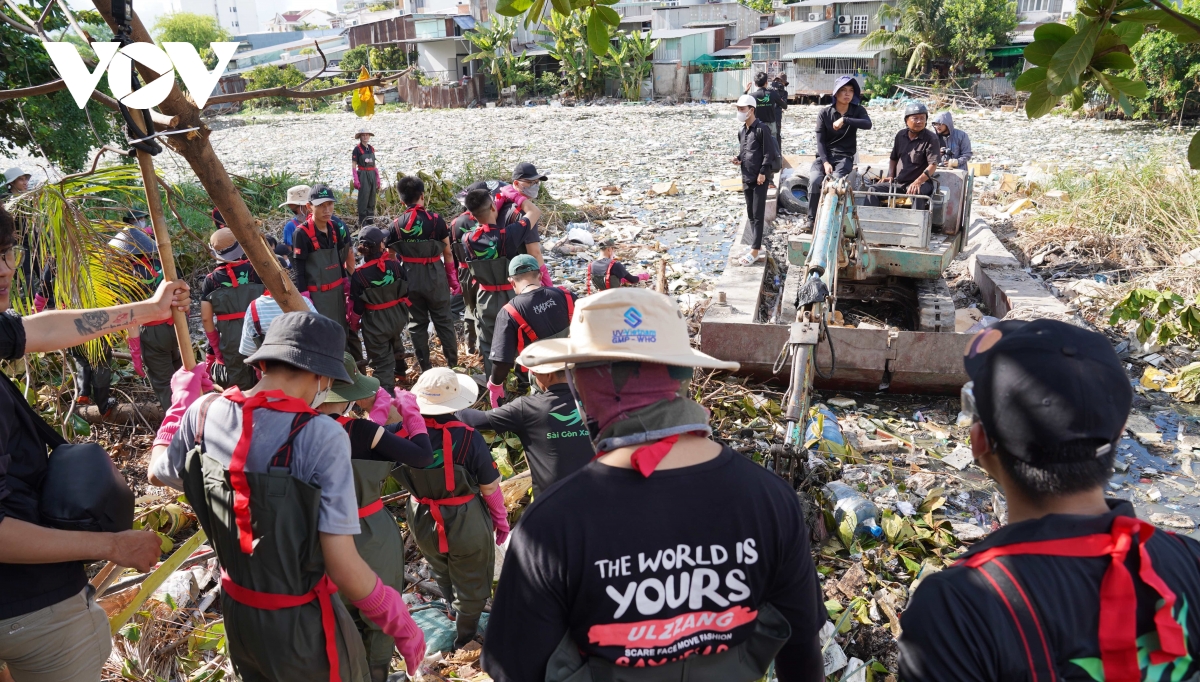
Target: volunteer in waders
<point>488,251</point>
<point>606,272</point>
<point>323,261</point>
<point>224,297</point>
<point>456,510</point>
<point>464,223</point>
<point>549,424</point>
<point>297,203</point>
<point>422,240</point>
<point>526,185</point>
<point>1075,586</point>
<point>364,176</point>
<point>378,292</point>
<point>537,312</point>
<point>51,629</point>
<point>624,570</point>
<point>153,345</point>
<point>272,485</point>
<point>374,452</point>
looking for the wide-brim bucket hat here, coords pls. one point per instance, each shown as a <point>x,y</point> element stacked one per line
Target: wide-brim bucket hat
<point>623,324</point>
<point>307,341</point>
<point>297,195</point>
<point>359,387</point>
<point>441,390</point>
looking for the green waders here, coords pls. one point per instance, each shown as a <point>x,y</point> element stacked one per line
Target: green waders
<point>601,281</point>
<point>429,299</point>
<point>380,545</point>
<point>745,662</point>
<point>453,529</point>
<point>368,191</point>
<point>384,320</point>
<point>160,357</point>
<point>470,294</point>
<point>281,622</point>
<point>325,270</point>
<point>229,304</point>
<point>491,278</point>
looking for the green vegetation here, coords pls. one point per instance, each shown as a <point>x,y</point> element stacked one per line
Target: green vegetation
<point>1170,68</point>
<point>594,19</point>
<point>581,70</point>
<point>268,76</point>
<point>628,61</point>
<point>948,37</point>
<point>197,29</point>
<point>493,43</point>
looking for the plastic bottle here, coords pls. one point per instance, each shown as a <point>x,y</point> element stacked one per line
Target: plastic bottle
<point>848,499</point>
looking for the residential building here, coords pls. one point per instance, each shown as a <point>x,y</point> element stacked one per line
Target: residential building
<point>362,15</point>
<point>677,50</point>
<point>738,20</point>
<point>235,16</point>
<point>437,40</point>
<point>294,20</point>
<point>290,53</point>
<point>257,41</point>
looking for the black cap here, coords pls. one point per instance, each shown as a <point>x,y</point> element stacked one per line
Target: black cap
<point>320,194</point>
<point>371,234</point>
<point>307,341</point>
<point>134,215</point>
<point>526,171</point>
<point>1044,384</point>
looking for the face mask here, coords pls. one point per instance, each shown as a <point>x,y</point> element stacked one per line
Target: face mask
<point>532,190</point>
<point>743,115</point>
<point>322,393</point>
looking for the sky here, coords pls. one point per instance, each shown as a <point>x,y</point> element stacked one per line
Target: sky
<point>149,10</point>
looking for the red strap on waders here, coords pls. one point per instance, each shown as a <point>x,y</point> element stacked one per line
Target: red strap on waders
<point>363,512</point>
<point>435,505</point>
<point>524,330</point>
<point>1118,598</point>
<point>270,400</point>
<point>311,231</point>
<point>494,287</point>
<point>607,275</point>
<point>268,601</point>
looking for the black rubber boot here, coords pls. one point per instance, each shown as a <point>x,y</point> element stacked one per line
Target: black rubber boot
<point>379,673</point>
<point>467,627</point>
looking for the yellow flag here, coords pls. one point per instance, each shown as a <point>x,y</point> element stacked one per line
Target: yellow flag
<point>363,101</point>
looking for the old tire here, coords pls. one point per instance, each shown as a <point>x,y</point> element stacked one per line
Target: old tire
<point>793,194</point>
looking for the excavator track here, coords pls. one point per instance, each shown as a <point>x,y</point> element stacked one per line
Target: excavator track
<point>936,306</point>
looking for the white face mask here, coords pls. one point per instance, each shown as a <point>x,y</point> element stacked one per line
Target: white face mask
<point>531,191</point>
<point>322,393</point>
<point>743,115</point>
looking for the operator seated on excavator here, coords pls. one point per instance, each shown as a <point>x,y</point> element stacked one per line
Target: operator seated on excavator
<point>915,155</point>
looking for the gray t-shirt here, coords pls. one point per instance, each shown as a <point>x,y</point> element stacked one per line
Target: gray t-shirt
<point>320,457</point>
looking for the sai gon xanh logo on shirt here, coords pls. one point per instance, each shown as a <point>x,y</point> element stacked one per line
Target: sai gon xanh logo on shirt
<point>633,319</point>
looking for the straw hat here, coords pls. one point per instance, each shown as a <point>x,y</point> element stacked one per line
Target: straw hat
<point>296,195</point>
<point>225,246</point>
<point>441,390</point>
<point>623,324</point>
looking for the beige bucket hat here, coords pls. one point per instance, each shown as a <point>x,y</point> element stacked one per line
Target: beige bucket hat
<point>296,195</point>
<point>441,390</point>
<point>361,132</point>
<point>623,324</point>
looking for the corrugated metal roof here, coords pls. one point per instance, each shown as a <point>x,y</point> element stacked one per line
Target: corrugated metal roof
<point>791,28</point>
<point>661,33</point>
<point>843,47</point>
<point>732,51</point>
<point>811,3</point>
<point>711,23</point>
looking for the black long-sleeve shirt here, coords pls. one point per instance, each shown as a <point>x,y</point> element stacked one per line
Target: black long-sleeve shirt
<point>768,100</point>
<point>757,151</point>
<point>844,142</point>
<point>415,451</point>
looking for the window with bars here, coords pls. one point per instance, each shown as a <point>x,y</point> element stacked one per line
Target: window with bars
<point>842,65</point>
<point>1033,5</point>
<point>859,24</point>
<point>765,50</point>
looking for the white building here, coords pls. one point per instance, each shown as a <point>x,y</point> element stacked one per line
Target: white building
<point>294,20</point>
<point>235,16</point>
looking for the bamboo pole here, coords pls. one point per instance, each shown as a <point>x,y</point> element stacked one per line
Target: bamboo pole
<point>163,238</point>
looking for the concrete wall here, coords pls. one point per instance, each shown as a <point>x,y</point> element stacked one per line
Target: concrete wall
<point>438,57</point>
<point>675,17</point>
<point>670,80</point>
<point>821,32</point>
<point>721,86</point>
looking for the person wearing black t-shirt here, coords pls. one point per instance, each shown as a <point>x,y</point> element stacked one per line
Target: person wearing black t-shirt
<point>52,628</point>
<point>364,176</point>
<point>621,568</point>
<point>1075,587</point>
<point>916,151</point>
<point>548,422</point>
<point>323,262</point>
<point>606,272</point>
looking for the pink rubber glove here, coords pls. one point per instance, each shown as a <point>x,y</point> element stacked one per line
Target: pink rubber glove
<point>511,194</point>
<point>546,277</point>
<point>352,318</point>
<point>186,387</point>
<point>135,350</point>
<point>495,394</point>
<point>214,346</point>
<point>39,303</point>
<point>355,181</point>
<point>452,280</point>
<point>385,608</point>
<point>382,407</point>
<point>495,505</point>
<point>307,294</point>
<point>346,287</point>
<point>406,405</point>
<point>643,277</point>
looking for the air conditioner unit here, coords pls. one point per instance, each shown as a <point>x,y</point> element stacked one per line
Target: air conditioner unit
<point>1066,16</point>
<point>813,16</point>
<point>843,30</point>
<point>844,19</point>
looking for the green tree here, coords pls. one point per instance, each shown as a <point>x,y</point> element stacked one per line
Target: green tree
<point>599,20</point>
<point>268,76</point>
<point>579,61</point>
<point>355,58</point>
<point>1169,67</point>
<point>918,37</point>
<point>52,123</point>
<point>760,6</point>
<point>628,61</point>
<point>493,42</point>
<point>197,29</point>
<point>972,26</point>
<point>1096,51</point>
<point>388,59</point>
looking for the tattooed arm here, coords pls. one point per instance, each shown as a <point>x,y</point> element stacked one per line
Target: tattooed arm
<point>58,329</point>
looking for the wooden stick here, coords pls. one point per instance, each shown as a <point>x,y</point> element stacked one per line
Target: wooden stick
<point>165,254</point>
<point>661,284</point>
